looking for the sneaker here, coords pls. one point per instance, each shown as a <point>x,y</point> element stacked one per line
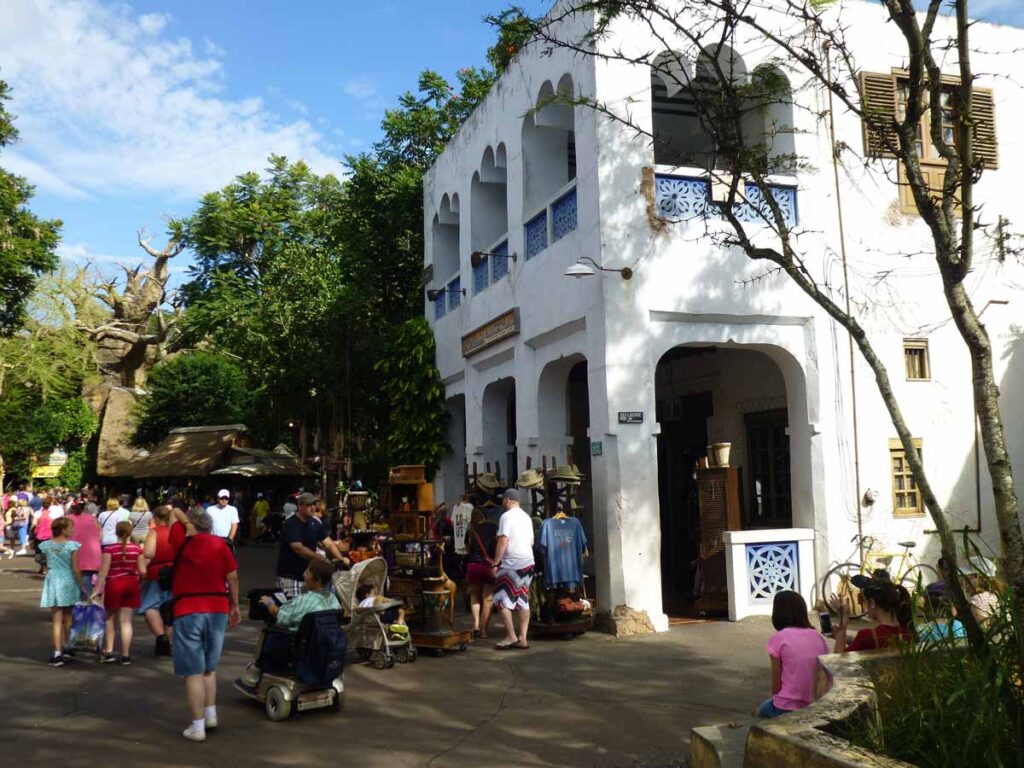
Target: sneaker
<point>56,660</point>
<point>10,554</point>
<point>22,552</point>
<point>125,661</point>
<point>192,733</point>
<point>107,658</point>
<point>211,722</point>
<point>162,646</point>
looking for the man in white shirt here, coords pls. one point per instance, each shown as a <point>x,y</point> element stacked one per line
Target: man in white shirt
<point>461,513</point>
<point>513,556</point>
<point>225,516</point>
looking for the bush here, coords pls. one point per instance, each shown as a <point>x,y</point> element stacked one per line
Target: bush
<point>945,705</point>
<point>191,390</point>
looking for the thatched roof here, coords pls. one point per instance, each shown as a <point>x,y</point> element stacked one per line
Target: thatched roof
<point>116,456</point>
<point>254,462</point>
<point>192,451</point>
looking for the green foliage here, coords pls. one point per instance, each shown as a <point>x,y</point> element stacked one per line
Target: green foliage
<point>27,243</point>
<point>414,395</point>
<point>42,367</point>
<point>193,389</point>
<point>947,705</point>
<point>515,29</point>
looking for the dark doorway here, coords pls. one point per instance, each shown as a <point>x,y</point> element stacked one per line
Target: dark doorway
<point>512,455</point>
<point>577,393</point>
<point>683,439</point>
<point>769,500</point>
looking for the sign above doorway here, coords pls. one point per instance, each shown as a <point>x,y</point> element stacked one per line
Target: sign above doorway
<point>631,417</point>
<point>498,329</point>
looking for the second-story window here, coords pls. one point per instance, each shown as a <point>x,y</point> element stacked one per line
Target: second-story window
<point>915,358</point>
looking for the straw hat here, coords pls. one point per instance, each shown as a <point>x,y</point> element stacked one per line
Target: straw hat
<point>531,478</point>
<point>566,474</point>
<point>487,481</point>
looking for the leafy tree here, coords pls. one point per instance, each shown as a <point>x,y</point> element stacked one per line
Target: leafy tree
<point>42,368</point>
<point>412,389</point>
<point>27,243</point>
<point>192,389</point>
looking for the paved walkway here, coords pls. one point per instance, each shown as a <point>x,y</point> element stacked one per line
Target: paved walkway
<point>593,701</point>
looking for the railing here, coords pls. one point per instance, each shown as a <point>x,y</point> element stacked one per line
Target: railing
<point>553,223</point>
<point>688,197</point>
<point>491,268</point>
<point>450,299</point>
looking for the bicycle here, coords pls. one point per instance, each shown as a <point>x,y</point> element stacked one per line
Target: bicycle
<point>837,588</point>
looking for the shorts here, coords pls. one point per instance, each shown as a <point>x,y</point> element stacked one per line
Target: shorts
<point>121,592</point>
<point>290,587</point>
<point>152,596</point>
<point>512,588</point>
<point>479,573</point>
<point>198,642</point>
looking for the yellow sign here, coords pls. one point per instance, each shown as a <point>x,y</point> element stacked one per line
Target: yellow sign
<point>498,329</point>
<point>45,472</point>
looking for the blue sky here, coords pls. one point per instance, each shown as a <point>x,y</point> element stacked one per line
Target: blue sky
<point>129,111</point>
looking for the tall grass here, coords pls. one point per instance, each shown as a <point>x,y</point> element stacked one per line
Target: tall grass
<point>943,705</point>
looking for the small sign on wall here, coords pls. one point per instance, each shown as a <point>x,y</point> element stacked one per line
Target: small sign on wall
<point>596,448</point>
<point>631,417</point>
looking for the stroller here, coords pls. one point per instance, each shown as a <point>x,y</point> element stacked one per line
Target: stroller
<point>366,631</point>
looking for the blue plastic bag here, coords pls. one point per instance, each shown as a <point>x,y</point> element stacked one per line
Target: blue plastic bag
<point>87,624</point>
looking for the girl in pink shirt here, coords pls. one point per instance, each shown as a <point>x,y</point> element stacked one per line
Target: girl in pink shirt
<point>794,650</point>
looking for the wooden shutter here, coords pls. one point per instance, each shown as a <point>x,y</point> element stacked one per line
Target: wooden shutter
<point>986,149</point>
<point>878,98</point>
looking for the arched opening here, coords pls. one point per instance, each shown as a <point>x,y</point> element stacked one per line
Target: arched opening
<point>549,145</point>
<point>489,217</point>
<point>445,240</point>
<point>706,395</point>
<point>768,119</point>
<point>452,476</point>
<point>498,409</point>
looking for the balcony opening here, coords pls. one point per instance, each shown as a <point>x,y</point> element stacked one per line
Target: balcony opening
<point>489,216</point>
<point>549,145</point>
<point>445,240</point>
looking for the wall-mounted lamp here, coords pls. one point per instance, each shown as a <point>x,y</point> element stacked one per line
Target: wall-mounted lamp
<point>476,258</point>
<point>433,293</point>
<point>579,269</point>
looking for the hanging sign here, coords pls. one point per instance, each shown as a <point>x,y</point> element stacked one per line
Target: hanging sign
<point>631,417</point>
<point>498,329</point>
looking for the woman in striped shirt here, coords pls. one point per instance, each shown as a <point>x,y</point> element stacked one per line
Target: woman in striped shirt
<point>118,581</point>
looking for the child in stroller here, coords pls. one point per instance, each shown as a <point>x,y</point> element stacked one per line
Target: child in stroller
<point>376,629</point>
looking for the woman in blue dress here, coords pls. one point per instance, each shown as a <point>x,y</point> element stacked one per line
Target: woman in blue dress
<point>63,586</point>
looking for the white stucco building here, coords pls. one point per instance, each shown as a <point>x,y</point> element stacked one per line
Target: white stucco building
<point>700,340</point>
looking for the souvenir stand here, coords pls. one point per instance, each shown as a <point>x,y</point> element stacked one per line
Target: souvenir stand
<point>558,597</point>
<point>416,569</point>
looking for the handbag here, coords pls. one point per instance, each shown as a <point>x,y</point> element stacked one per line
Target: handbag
<point>165,576</point>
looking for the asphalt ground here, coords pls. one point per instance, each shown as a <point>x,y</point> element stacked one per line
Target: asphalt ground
<point>591,701</point>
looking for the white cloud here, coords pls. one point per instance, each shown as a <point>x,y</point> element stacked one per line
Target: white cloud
<point>359,88</point>
<point>112,102</point>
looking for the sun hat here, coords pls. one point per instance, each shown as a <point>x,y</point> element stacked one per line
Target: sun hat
<point>487,481</point>
<point>566,473</point>
<point>531,478</point>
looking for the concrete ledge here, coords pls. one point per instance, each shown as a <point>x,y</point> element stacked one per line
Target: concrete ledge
<point>719,746</point>
<point>802,738</point>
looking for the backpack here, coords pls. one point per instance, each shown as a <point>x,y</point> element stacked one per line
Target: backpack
<point>321,645</point>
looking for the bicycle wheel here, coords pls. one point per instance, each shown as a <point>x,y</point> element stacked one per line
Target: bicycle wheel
<point>837,590</point>
<point>919,576</point>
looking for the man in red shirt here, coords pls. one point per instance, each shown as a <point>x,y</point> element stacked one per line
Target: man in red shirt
<point>205,590</point>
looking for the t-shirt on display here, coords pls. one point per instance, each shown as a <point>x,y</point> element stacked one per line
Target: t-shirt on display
<point>460,519</point>
<point>562,542</point>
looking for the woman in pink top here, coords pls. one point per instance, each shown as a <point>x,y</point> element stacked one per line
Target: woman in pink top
<point>87,533</point>
<point>794,650</point>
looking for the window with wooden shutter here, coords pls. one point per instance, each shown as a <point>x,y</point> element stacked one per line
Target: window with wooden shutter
<point>881,96</point>
<point>915,358</point>
<point>906,497</point>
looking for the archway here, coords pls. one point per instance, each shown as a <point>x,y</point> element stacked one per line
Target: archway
<point>453,465</point>
<point>709,394</point>
<point>498,409</point>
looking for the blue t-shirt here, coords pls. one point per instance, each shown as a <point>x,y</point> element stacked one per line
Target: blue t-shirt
<point>562,543</point>
<point>934,631</point>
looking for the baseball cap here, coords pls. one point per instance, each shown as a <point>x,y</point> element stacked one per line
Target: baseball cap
<point>223,493</point>
<point>306,498</point>
<point>511,495</point>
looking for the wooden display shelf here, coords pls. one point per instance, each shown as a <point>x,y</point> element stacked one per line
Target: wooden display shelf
<point>439,643</point>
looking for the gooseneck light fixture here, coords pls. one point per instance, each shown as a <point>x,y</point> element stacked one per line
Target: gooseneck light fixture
<point>433,293</point>
<point>476,258</point>
<point>579,269</point>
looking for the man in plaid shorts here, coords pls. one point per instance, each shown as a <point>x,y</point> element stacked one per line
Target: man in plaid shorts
<point>300,537</point>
